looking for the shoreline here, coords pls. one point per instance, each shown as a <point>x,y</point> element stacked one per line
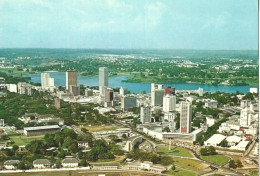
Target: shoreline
<point>131,81</point>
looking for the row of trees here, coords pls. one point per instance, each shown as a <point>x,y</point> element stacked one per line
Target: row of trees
<point>137,154</point>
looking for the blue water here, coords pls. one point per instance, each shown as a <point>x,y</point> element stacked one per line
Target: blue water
<point>116,82</point>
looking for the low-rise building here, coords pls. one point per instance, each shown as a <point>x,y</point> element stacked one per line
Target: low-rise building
<point>70,162</point>
<point>11,164</point>
<point>147,166</point>
<point>83,144</point>
<point>40,130</point>
<point>233,140</point>
<point>215,140</point>
<point>105,167</point>
<point>242,145</point>
<point>41,163</point>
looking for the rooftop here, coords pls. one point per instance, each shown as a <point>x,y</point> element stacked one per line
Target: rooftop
<point>42,161</point>
<point>11,162</point>
<point>70,160</point>
<point>41,127</point>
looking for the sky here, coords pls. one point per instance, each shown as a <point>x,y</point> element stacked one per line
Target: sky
<point>129,24</point>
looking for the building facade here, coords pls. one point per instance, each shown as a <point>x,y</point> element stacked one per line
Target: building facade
<point>71,79</point>
<point>185,117</point>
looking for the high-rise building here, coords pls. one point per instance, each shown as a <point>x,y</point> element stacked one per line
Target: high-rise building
<point>245,117</point>
<point>169,103</point>
<point>145,114</point>
<point>47,82</point>
<point>122,91</point>
<point>185,117</point>
<point>109,95</point>
<point>24,88</point>
<point>128,102</point>
<point>200,92</point>
<point>71,79</point>
<point>74,90</point>
<point>103,76</point>
<point>88,92</point>
<point>169,116</point>
<point>169,90</point>
<point>157,93</point>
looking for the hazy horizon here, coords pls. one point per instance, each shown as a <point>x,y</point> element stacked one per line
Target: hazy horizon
<point>130,24</point>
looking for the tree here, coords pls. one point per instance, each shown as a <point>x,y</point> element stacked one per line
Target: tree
<point>15,148</point>
<point>124,136</point>
<point>21,165</point>
<point>84,130</point>
<point>83,163</point>
<point>239,163</point>
<point>166,129</point>
<point>203,151</point>
<point>224,143</point>
<point>58,163</point>
<point>232,164</point>
<point>212,150</point>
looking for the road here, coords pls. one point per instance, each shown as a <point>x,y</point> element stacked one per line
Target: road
<point>193,152</point>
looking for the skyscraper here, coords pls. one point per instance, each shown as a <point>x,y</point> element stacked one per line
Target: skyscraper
<point>103,76</point>
<point>71,79</point>
<point>145,114</point>
<point>169,103</point>
<point>185,117</point>
<point>109,95</point>
<point>169,90</point>
<point>45,80</point>
<point>157,93</point>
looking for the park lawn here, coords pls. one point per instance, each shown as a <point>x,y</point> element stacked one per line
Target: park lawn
<point>180,172</point>
<point>175,151</point>
<point>216,159</point>
<point>23,140</point>
<point>197,166</point>
<point>100,128</point>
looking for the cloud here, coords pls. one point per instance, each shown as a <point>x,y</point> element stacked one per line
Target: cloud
<point>154,13</point>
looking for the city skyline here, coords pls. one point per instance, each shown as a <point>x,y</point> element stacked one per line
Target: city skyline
<point>108,24</point>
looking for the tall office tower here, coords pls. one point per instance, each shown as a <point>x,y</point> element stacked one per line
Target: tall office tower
<point>74,90</point>
<point>45,80</point>
<point>200,92</point>
<point>128,102</point>
<point>109,95</point>
<point>169,103</point>
<point>51,82</point>
<point>71,79</point>
<point>122,91</point>
<point>245,117</point>
<point>157,93</point>
<point>103,76</point>
<point>145,114</point>
<point>185,117</point>
<point>24,88</point>
<point>169,90</point>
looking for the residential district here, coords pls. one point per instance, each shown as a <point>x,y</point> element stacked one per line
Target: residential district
<point>166,131</point>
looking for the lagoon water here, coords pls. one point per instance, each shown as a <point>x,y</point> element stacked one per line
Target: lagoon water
<point>117,81</point>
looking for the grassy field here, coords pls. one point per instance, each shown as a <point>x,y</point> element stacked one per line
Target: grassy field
<point>100,128</point>
<point>180,172</point>
<point>175,151</point>
<point>81,173</point>
<point>197,166</point>
<point>23,140</point>
<point>216,159</point>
